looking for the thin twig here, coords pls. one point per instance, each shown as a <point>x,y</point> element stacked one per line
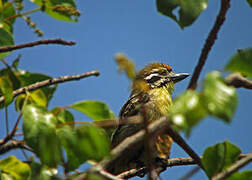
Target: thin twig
<point>36,43</point>
<point>212,36</point>
<point>190,173</point>
<point>233,168</point>
<point>49,82</point>
<point>238,81</point>
<point>9,136</point>
<point>22,14</point>
<point>182,143</point>
<point>6,120</point>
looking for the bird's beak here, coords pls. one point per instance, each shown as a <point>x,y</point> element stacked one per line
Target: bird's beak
<point>178,77</point>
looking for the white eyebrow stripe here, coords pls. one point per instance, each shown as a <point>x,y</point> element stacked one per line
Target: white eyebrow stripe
<point>150,76</point>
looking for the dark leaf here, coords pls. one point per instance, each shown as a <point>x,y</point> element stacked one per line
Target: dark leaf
<point>218,157</point>
<point>188,10</point>
<point>6,39</point>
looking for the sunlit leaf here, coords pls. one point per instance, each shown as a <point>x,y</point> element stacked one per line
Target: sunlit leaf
<point>125,65</point>
<point>64,10</point>
<point>245,175</point>
<point>39,128</point>
<point>218,157</point>
<point>241,62</point>
<point>17,169</point>
<point>187,111</point>
<point>188,10</point>
<point>6,89</point>
<point>94,109</point>
<point>219,99</point>
<point>6,39</point>
<point>37,97</point>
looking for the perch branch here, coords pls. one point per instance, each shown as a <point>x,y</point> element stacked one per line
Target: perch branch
<point>49,82</point>
<point>212,36</point>
<point>36,43</point>
<point>169,163</point>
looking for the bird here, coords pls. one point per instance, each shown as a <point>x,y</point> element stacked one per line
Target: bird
<point>151,89</point>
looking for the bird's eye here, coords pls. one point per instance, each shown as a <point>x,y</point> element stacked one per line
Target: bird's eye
<point>163,73</point>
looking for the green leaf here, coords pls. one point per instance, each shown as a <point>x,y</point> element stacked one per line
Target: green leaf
<point>93,143</point>
<point>37,97</point>
<point>125,65</point>
<point>188,10</point>
<point>245,175</point>
<point>64,10</point>
<point>69,141</point>
<point>41,172</point>
<point>187,111</point>
<point>219,99</point>
<point>17,169</point>
<point>6,89</point>
<point>93,176</point>
<point>8,11</point>
<point>15,63</point>
<point>94,109</point>
<point>6,39</point>
<point>218,157</point>
<point>39,128</point>
<point>63,116</point>
<point>249,2</point>
<point>241,62</point>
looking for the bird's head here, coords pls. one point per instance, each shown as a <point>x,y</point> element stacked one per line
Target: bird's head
<point>156,75</point>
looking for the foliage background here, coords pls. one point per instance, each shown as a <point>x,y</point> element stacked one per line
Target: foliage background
<point>136,28</point>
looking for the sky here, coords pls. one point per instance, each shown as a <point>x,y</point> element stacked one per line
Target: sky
<point>136,29</point>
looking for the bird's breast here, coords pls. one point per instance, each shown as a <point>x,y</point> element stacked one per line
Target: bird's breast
<point>160,103</point>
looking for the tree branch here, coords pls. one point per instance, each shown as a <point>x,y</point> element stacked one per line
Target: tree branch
<point>169,163</point>
<point>238,81</point>
<point>234,167</point>
<point>9,136</point>
<point>212,36</point>
<point>36,43</point>
<point>14,144</point>
<point>49,82</point>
